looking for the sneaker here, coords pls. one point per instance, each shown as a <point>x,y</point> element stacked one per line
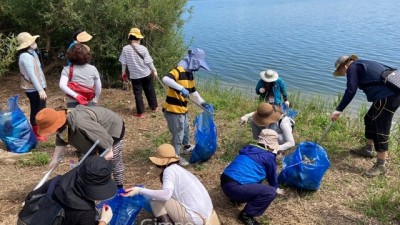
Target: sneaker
<point>375,171</point>
<point>187,149</point>
<point>183,162</point>
<point>139,115</point>
<point>363,152</point>
<point>247,219</point>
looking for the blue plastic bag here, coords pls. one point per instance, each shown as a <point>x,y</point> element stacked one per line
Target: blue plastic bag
<point>305,167</point>
<point>205,136</point>
<point>289,111</point>
<point>15,130</point>
<point>125,209</point>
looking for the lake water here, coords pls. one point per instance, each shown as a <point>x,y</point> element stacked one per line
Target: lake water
<point>300,39</point>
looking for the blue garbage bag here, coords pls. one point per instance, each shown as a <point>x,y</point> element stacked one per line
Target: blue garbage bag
<point>125,209</point>
<point>205,136</point>
<point>15,130</point>
<point>305,167</point>
<point>289,111</point>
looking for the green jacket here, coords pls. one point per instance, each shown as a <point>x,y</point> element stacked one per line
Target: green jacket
<point>87,124</point>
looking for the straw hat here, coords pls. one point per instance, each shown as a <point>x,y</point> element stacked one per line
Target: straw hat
<point>135,32</point>
<point>340,62</point>
<point>266,114</point>
<point>25,39</point>
<point>49,121</point>
<point>165,154</point>
<point>269,138</point>
<point>269,75</point>
<point>83,37</point>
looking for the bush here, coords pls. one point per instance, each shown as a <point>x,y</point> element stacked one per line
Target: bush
<point>8,46</point>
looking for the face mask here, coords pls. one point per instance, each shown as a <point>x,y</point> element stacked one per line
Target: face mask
<point>34,46</point>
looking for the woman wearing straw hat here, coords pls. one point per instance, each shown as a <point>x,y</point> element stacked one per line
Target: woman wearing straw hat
<point>183,199</point>
<point>271,117</point>
<point>81,127</point>
<point>367,75</point>
<point>141,71</point>
<point>271,88</point>
<point>242,179</point>
<point>78,189</point>
<point>78,37</point>
<point>33,80</point>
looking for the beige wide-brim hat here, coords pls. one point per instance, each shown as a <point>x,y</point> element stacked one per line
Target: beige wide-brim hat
<point>165,154</point>
<point>25,39</point>
<point>269,138</point>
<point>135,32</point>
<point>340,62</point>
<point>83,37</point>
<point>266,114</point>
<point>269,75</point>
<point>49,121</point>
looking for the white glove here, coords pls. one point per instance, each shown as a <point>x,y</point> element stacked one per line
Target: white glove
<point>335,115</point>
<point>106,214</point>
<point>261,90</point>
<point>54,162</point>
<point>131,192</point>
<point>109,155</point>
<point>42,95</point>
<point>243,120</point>
<point>287,103</point>
<point>280,191</point>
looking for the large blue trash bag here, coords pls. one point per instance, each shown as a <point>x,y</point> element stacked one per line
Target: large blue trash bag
<point>125,209</point>
<point>15,130</point>
<point>289,111</point>
<point>205,136</point>
<point>305,167</point>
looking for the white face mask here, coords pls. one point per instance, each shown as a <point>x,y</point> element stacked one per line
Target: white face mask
<point>34,46</point>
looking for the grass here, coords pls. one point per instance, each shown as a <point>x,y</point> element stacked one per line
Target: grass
<point>34,159</point>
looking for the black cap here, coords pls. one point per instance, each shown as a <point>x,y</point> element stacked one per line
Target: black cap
<point>97,184</point>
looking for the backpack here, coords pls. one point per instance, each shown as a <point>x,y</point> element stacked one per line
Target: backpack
<point>41,209</point>
<point>291,121</point>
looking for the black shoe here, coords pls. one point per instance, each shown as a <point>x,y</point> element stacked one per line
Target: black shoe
<point>247,219</point>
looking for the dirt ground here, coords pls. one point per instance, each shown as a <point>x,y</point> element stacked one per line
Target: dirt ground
<point>331,204</point>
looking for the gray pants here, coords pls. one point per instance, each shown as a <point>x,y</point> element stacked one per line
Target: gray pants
<point>178,125</point>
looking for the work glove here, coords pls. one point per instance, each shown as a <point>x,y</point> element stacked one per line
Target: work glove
<point>206,105</point>
<point>155,74</point>
<point>42,95</point>
<point>106,214</point>
<point>335,115</point>
<point>124,76</point>
<point>243,120</point>
<point>131,192</point>
<point>54,163</point>
<point>287,103</point>
<point>261,90</point>
<point>81,100</point>
<point>184,92</point>
<point>280,191</point>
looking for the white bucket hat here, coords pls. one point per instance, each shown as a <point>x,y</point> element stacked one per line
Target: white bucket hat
<point>25,39</point>
<point>269,75</point>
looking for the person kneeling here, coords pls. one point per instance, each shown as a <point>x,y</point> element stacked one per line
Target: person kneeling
<point>242,179</point>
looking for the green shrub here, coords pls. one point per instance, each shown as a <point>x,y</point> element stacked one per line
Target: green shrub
<point>8,46</point>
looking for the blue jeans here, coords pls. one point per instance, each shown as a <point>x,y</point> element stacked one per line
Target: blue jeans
<point>178,125</point>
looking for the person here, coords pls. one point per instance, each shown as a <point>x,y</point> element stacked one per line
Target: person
<point>183,199</point>
<point>80,71</point>
<point>33,80</point>
<point>242,179</point>
<point>79,36</point>
<point>271,88</point>
<point>181,86</point>
<point>271,117</point>
<point>366,75</point>
<point>81,127</point>
<point>141,71</point>
<point>78,189</point>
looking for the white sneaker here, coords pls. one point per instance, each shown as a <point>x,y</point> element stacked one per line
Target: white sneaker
<point>187,149</point>
<point>183,162</point>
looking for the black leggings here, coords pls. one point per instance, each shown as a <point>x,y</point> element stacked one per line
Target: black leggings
<point>36,104</point>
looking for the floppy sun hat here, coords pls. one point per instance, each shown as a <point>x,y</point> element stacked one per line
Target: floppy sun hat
<point>49,121</point>
<point>340,62</point>
<point>135,32</point>
<point>83,37</point>
<point>269,75</point>
<point>269,138</point>
<point>195,60</point>
<point>266,114</point>
<point>96,181</point>
<point>25,39</point>
<point>165,154</point>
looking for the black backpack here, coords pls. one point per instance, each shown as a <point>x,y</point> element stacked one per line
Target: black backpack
<point>41,209</point>
<point>291,121</point>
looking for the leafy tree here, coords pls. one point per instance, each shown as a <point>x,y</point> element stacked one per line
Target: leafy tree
<point>7,52</point>
<point>109,21</point>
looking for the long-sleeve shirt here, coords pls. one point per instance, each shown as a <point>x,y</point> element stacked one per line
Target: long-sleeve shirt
<point>138,67</point>
<point>27,68</point>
